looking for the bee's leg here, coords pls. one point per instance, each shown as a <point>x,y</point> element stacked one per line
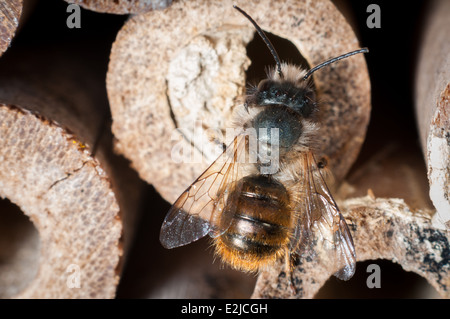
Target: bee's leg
<point>288,264</point>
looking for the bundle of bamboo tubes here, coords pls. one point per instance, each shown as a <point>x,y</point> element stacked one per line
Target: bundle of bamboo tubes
<point>76,142</point>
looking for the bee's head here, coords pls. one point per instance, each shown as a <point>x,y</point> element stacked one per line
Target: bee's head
<point>297,97</point>
<point>288,85</point>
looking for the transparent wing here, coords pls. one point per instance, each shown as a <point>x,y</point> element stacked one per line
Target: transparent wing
<point>321,228</point>
<point>200,210</point>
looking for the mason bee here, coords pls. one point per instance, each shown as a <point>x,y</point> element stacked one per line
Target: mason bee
<point>274,206</point>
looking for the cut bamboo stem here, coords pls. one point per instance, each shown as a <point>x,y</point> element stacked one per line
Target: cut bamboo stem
<point>10,12</point>
<point>175,76</point>
<point>432,97</point>
<point>381,229</point>
<point>122,6</point>
<point>57,167</point>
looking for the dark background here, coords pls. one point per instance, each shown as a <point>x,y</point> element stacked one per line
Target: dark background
<point>391,62</point>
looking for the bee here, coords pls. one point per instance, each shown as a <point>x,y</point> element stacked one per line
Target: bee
<point>274,207</point>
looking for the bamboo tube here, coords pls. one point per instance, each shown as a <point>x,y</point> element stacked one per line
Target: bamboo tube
<point>10,12</point>
<point>122,6</point>
<point>183,70</point>
<point>170,69</point>
<point>57,167</point>
<point>382,229</point>
<point>432,96</point>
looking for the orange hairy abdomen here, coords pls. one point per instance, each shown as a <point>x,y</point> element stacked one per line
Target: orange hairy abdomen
<point>260,228</point>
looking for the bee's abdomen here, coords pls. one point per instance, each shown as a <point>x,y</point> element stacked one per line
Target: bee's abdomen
<point>260,226</point>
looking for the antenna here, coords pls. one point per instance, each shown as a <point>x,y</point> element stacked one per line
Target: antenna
<point>265,39</point>
<point>321,65</point>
